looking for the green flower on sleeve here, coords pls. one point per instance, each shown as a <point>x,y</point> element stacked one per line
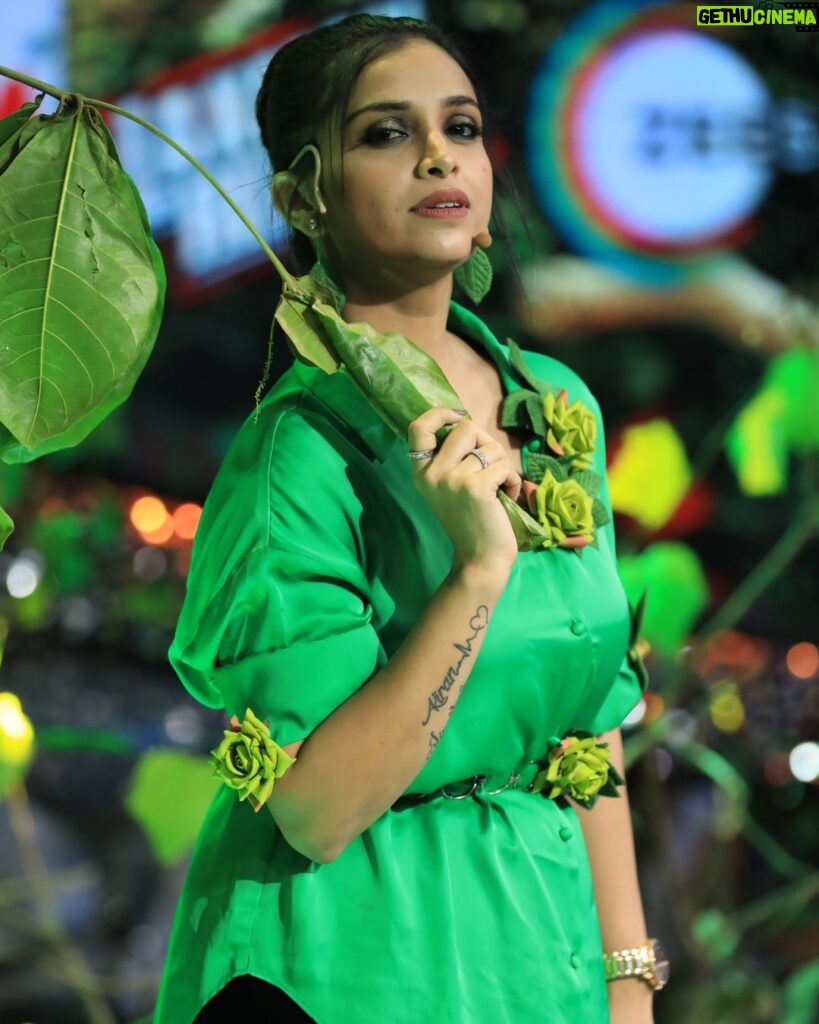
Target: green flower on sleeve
<point>579,767</point>
<point>571,430</point>
<point>249,760</point>
<point>565,511</point>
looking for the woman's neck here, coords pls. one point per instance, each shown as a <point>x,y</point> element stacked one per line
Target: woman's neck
<point>420,315</point>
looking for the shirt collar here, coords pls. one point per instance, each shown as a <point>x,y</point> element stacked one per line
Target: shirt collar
<point>370,433</point>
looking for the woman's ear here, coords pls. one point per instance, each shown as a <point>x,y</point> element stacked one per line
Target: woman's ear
<point>291,204</point>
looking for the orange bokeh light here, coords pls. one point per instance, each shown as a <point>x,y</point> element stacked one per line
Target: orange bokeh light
<point>149,514</point>
<point>803,660</point>
<point>161,535</point>
<point>655,706</point>
<point>776,769</point>
<point>186,519</point>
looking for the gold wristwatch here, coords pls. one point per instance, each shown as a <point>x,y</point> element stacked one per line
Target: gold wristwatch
<point>648,962</point>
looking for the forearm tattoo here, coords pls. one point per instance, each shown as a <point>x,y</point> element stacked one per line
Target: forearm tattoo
<point>439,697</point>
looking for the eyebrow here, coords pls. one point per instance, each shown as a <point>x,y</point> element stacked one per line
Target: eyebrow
<point>393,106</point>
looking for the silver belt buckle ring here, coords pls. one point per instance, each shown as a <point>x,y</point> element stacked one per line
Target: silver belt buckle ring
<point>475,783</point>
<point>509,782</point>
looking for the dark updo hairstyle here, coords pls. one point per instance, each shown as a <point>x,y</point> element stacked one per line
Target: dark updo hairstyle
<point>309,81</point>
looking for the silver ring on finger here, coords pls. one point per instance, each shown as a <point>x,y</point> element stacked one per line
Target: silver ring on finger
<point>479,455</point>
<point>423,453</point>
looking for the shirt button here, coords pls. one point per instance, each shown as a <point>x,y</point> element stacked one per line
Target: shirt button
<point>578,627</point>
<point>575,961</point>
<point>565,833</point>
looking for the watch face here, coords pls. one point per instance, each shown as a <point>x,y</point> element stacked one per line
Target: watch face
<point>662,968</point>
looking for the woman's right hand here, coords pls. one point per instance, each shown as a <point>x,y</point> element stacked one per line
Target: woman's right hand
<point>462,494</point>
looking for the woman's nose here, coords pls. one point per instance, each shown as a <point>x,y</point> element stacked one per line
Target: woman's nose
<point>436,161</point>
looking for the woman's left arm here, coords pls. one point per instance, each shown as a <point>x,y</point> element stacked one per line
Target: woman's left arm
<point>610,842</point>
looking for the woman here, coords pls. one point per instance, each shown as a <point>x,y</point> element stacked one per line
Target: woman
<point>375,611</point>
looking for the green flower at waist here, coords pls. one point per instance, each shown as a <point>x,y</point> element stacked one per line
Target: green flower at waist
<point>565,511</point>
<point>249,760</point>
<point>571,429</point>
<point>579,767</point>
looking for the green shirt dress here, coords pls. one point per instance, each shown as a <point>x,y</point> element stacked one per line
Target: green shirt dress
<point>314,557</point>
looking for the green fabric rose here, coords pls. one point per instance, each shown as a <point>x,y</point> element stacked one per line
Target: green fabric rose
<point>579,767</point>
<point>571,429</point>
<point>249,760</point>
<point>565,511</point>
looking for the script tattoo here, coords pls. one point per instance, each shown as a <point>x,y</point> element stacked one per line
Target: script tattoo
<point>440,695</point>
<point>434,738</point>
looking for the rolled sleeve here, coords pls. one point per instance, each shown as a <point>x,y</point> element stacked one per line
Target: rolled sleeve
<point>279,616</point>
<point>298,687</point>
<point>297,643</point>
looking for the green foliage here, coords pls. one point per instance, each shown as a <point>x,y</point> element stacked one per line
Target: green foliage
<point>82,283</point>
<point>169,794</point>
<point>801,994</point>
<point>6,527</point>
<point>778,421</point>
<point>673,575</point>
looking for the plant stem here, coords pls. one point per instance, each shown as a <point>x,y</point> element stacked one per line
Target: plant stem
<point>101,104</point>
<point>35,83</point>
<point>62,94</point>
<point>70,959</point>
<point>796,896</point>
<point>761,576</point>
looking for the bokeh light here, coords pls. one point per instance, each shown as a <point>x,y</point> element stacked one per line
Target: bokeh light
<point>636,715</point>
<point>727,709</point>
<point>23,577</point>
<point>804,761</point>
<point>16,742</point>
<point>161,535</point>
<point>776,768</point>
<point>186,519</point>
<point>803,660</point>
<point>148,514</point>
<point>150,564</point>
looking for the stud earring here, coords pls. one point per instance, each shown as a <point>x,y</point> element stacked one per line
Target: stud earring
<point>313,223</point>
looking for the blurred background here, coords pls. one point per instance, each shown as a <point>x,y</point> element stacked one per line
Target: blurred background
<point>661,239</point>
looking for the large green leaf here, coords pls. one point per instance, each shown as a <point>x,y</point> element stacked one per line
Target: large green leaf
<point>81,281</point>
<point>6,527</point>
<point>10,131</point>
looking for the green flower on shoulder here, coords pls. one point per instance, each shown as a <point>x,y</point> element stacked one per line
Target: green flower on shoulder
<point>249,760</point>
<point>565,511</point>
<point>571,429</point>
<point>579,767</point>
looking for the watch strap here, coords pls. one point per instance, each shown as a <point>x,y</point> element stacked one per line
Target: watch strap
<point>637,962</point>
